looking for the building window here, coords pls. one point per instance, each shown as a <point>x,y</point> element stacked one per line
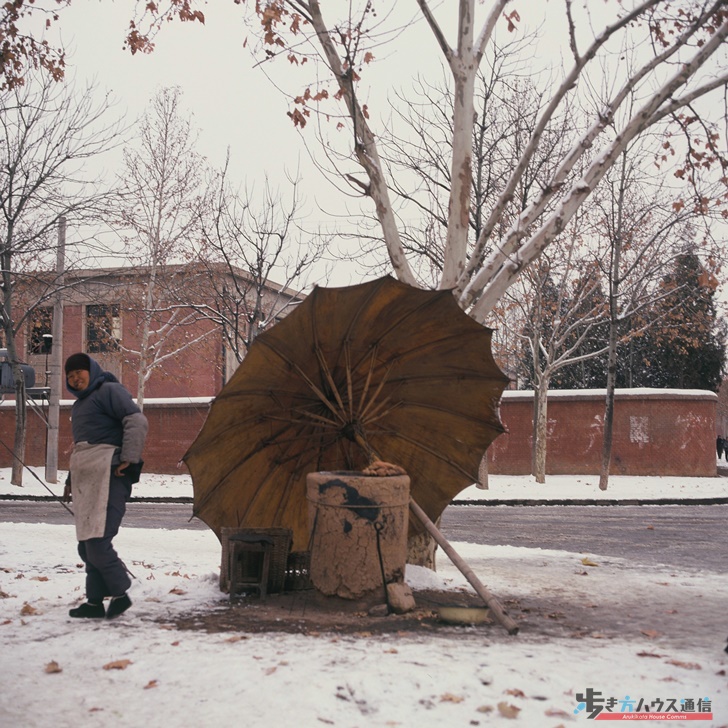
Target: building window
<point>40,337</point>
<point>103,328</point>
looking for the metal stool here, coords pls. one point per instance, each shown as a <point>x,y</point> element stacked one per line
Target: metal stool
<point>249,564</point>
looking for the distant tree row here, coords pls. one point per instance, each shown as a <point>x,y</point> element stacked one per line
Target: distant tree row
<point>680,340</point>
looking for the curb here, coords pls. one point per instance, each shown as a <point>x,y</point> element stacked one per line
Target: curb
<point>718,501</point>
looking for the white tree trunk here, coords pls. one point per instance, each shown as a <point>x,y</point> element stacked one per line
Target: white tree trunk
<point>542,421</point>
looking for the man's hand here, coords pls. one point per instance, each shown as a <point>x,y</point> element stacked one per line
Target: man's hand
<point>120,468</point>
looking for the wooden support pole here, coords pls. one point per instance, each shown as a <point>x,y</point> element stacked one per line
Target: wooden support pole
<point>492,603</point>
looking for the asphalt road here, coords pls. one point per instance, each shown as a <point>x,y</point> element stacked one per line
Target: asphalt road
<point>685,536</point>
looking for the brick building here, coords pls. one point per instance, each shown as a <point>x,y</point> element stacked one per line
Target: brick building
<point>199,316</point>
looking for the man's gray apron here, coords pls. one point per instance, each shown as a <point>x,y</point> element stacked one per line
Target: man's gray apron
<point>90,475</point>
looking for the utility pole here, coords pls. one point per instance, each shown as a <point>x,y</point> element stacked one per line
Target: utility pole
<point>55,366</point>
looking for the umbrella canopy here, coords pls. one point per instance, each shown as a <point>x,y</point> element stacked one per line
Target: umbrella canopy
<point>377,370</point>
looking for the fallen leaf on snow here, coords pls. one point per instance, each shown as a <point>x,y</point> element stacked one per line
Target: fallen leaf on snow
<point>177,590</point>
<point>588,562</point>
<point>150,684</point>
<point>450,698</point>
<point>484,709</point>
<point>237,638</point>
<point>52,667</point>
<point>391,651</point>
<point>556,713</point>
<point>117,665</point>
<point>686,665</point>
<point>39,578</point>
<point>4,595</point>
<point>651,633</point>
<point>650,528</point>
<point>270,670</point>
<point>515,692</point>
<point>28,610</point>
<point>648,654</point>
<point>507,710</point>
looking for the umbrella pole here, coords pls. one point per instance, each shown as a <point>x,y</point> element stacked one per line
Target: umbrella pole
<point>492,603</point>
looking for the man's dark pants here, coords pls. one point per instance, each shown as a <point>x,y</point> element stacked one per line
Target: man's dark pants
<point>106,575</point>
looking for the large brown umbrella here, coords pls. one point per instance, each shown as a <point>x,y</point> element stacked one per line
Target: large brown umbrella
<point>381,370</point>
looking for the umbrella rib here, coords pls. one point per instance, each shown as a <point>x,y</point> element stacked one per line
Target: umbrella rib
<point>285,491</point>
<point>327,373</point>
<point>349,383</point>
<point>435,454</point>
<point>370,373</point>
<point>430,301</point>
<point>262,446</point>
<point>308,417</point>
<point>376,394</point>
<point>458,415</point>
<point>324,399</point>
<point>377,414</point>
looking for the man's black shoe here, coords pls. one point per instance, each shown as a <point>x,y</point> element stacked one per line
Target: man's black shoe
<point>88,611</point>
<point>117,606</point>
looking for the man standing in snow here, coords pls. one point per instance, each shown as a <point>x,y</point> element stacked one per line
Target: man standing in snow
<point>109,432</point>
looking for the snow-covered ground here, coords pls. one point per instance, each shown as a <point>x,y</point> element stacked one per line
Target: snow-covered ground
<point>138,671</point>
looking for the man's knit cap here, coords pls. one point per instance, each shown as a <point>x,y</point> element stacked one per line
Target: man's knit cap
<point>78,361</point>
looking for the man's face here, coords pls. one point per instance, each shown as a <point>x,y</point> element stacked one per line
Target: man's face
<point>78,379</point>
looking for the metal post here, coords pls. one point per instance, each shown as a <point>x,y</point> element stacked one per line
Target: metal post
<point>55,366</point>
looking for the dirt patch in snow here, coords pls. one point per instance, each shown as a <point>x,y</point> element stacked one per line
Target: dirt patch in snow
<point>309,612</point>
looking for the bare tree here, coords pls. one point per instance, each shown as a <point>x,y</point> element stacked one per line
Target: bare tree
<point>161,192</point>
<point>679,54</point>
<point>48,132</point>
<point>562,307</point>
<point>646,228</point>
<point>255,260</point>
<point>680,63</point>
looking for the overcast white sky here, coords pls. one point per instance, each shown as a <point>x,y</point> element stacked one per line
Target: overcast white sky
<point>233,103</point>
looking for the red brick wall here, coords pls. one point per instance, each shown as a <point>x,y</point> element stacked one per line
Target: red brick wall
<point>657,432</point>
<point>172,428</point>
